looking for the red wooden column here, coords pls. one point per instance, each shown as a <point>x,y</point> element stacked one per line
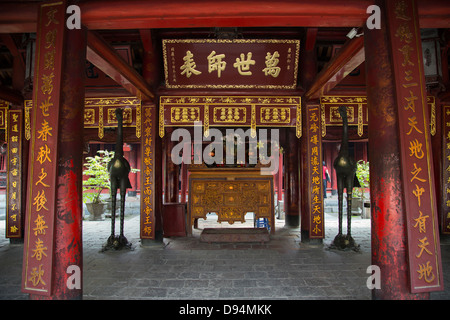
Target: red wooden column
<point>404,244</point>
<point>69,207</point>
<point>291,174</point>
<point>53,244</point>
<point>151,151</point>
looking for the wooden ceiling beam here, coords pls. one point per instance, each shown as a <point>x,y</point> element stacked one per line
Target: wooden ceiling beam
<point>350,56</point>
<point>134,14</point>
<point>104,57</point>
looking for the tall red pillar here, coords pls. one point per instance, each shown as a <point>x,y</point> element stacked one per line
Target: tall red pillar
<point>53,237</point>
<point>395,85</point>
<point>69,207</point>
<point>388,220</point>
<point>151,155</point>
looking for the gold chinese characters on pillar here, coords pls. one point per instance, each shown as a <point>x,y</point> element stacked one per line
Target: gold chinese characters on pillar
<point>425,269</point>
<point>147,172</point>
<point>41,207</point>
<point>314,142</point>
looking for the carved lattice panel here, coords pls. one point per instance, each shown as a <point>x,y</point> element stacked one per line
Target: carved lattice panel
<point>231,200</point>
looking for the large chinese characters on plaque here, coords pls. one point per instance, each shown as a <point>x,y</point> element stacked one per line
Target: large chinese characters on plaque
<point>39,233</point>
<point>425,268</point>
<point>239,63</point>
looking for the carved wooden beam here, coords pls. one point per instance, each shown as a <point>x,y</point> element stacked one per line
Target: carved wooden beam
<point>104,57</point>
<point>350,56</point>
<point>134,14</point>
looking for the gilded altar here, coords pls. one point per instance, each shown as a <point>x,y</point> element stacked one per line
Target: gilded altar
<point>231,193</point>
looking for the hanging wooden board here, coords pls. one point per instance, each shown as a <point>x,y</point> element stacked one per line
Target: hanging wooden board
<point>236,64</point>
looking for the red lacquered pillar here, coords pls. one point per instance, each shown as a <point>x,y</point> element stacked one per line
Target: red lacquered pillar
<point>389,240</point>
<point>69,208</point>
<point>52,266</point>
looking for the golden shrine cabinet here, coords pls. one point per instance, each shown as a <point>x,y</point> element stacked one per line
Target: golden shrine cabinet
<point>231,193</point>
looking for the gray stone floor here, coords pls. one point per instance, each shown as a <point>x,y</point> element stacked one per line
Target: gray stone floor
<point>185,268</point>
<point>188,269</point>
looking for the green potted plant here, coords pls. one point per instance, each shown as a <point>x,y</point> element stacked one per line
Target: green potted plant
<point>96,169</point>
<point>363,175</point>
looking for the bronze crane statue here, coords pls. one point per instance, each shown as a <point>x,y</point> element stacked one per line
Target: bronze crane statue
<point>118,168</point>
<point>345,167</point>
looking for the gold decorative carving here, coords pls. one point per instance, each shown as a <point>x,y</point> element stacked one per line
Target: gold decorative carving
<point>242,100</point>
<point>335,117</point>
<point>274,115</point>
<point>115,102</point>
<point>360,120</point>
<point>322,117</point>
<point>3,115</point>
<point>343,99</point>
<point>230,111</point>
<point>432,102</point>
<point>161,121</point>
<point>138,120</point>
<point>89,116</point>
<point>184,114</point>
<point>253,122</point>
<point>28,104</point>
<point>231,200</point>
<point>229,114</point>
<point>127,116</point>
<point>206,121</point>
<point>330,105</point>
<point>100,123</point>
<point>211,190</point>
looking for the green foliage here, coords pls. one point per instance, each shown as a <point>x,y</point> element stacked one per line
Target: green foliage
<point>96,168</point>
<point>362,173</point>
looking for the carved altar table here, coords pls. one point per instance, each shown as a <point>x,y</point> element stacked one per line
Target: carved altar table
<point>231,193</point>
